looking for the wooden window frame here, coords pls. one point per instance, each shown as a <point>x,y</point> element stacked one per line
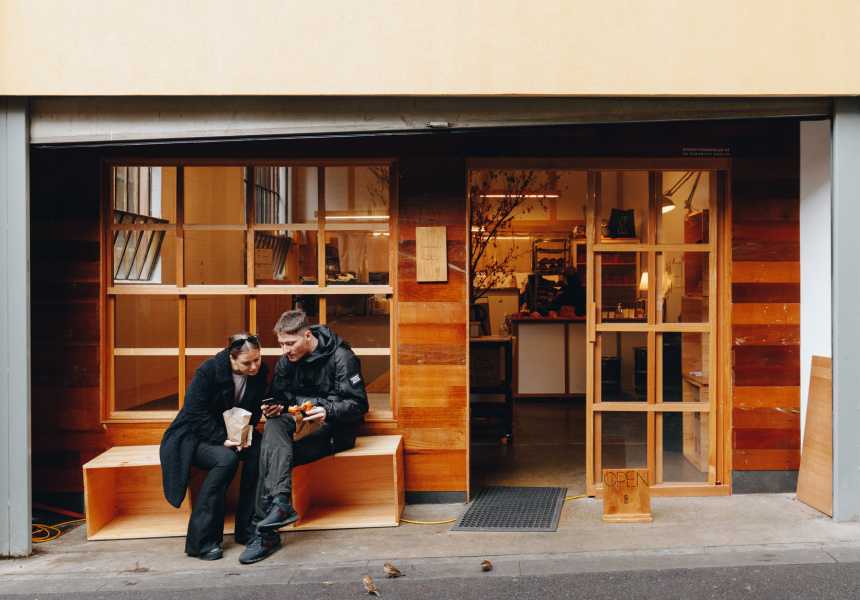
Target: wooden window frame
<point>111,290</point>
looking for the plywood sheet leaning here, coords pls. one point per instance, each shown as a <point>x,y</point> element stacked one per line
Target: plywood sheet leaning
<point>815,478</point>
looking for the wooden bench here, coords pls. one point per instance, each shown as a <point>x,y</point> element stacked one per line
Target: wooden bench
<point>361,487</point>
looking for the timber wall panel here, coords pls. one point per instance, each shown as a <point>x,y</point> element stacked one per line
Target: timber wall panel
<point>765,295</point>
<point>432,328</point>
<point>65,320</point>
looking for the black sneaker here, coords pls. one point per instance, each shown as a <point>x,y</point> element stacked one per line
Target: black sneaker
<point>260,547</point>
<point>280,514</point>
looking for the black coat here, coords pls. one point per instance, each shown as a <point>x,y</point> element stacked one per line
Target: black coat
<point>329,377</point>
<point>210,393</point>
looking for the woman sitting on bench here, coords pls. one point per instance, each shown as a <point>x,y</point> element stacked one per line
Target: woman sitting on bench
<point>197,437</point>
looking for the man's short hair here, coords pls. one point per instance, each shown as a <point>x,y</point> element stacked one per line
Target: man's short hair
<point>292,322</point>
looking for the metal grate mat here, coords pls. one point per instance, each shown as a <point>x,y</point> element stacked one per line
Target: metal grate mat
<point>498,508</point>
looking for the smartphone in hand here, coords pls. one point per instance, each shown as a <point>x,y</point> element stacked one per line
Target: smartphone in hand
<point>268,401</point>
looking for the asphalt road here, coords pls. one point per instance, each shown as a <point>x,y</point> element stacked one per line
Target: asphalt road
<point>806,581</point>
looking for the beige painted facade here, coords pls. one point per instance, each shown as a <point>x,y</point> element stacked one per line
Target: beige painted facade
<point>444,47</point>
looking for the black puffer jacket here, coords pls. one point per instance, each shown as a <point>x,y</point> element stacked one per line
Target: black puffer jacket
<point>329,377</point>
<point>209,394</point>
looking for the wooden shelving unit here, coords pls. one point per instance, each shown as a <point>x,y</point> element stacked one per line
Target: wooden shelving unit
<point>550,256</point>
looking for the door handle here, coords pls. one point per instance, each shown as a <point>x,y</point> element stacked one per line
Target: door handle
<point>591,321</point>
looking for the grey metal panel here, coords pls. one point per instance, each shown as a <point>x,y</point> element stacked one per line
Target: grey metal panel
<point>127,119</point>
<point>846,309</point>
<point>15,514</point>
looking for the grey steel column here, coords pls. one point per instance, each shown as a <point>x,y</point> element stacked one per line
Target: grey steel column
<point>15,510</point>
<point>846,309</point>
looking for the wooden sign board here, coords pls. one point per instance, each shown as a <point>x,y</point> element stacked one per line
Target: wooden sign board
<point>626,496</point>
<point>815,476</point>
<point>431,254</point>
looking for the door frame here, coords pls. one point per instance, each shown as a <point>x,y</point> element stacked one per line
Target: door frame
<point>720,365</point>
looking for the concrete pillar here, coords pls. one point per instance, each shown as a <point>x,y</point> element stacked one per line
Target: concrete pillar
<point>846,309</point>
<point>15,488</point>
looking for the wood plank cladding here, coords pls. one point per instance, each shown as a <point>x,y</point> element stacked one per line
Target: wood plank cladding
<point>66,328</point>
<point>765,322</point>
<point>432,333</point>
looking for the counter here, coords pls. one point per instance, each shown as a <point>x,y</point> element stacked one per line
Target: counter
<point>550,358</point>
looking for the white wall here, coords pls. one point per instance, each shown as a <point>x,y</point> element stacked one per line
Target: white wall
<point>815,263</point>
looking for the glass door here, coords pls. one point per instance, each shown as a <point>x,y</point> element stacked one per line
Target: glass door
<point>652,284</point>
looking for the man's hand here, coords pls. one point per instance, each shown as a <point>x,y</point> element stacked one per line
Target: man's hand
<point>234,445</point>
<point>317,413</point>
<point>272,410</point>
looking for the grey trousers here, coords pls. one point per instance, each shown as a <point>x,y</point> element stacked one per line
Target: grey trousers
<point>279,454</point>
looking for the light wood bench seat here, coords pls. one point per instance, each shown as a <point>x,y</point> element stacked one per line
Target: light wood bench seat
<point>361,487</point>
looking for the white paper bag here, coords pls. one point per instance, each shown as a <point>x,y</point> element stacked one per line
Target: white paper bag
<point>238,422</point>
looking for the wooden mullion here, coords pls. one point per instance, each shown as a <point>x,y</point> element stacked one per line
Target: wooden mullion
<point>592,455</point>
<point>106,302</point>
<point>180,224</point>
<point>394,330</point>
<point>110,363</point>
<point>321,240</point>
<point>182,306</point>
<point>250,222</point>
<point>180,280</point>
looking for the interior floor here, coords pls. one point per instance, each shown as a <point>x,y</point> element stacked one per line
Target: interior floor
<point>548,446</point>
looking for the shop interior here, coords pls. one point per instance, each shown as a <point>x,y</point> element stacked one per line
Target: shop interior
<point>528,261</point>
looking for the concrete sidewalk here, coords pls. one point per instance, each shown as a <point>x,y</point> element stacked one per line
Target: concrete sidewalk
<point>686,533</point>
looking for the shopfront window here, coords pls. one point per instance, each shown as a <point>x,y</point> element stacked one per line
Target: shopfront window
<point>201,252</point>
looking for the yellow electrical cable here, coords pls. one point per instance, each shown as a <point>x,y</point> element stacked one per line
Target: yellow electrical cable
<point>39,529</point>
<point>427,522</point>
<point>452,520</point>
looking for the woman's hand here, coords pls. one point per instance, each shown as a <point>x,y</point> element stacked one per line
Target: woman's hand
<point>231,444</point>
<point>317,413</point>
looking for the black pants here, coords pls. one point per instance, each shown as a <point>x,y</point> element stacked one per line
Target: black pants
<point>206,527</point>
<point>279,454</point>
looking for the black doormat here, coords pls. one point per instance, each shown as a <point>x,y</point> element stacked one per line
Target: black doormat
<point>513,509</point>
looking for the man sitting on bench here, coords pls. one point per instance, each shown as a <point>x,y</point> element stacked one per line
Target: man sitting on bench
<point>319,366</point>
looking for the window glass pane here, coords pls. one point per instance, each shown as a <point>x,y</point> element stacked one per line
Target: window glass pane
<point>685,447</point>
<point>361,320</point>
<point>146,383</point>
<point>133,190</point>
<point>671,371</point>
<point>619,278</point>
<point>360,257</point>
<point>357,194</point>
<point>120,188</point>
<point>211,320</point>
<point>302,195</point>
<point>270,194</point>
<point>623,442</point>
<point>688,192</point>
<point>147,321</point>
<point>271,250</point>
<point>623,367</point>
<point>215,195</point>
<point>215,257</point>
<point>625,193</point>
<point>376,372</point>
